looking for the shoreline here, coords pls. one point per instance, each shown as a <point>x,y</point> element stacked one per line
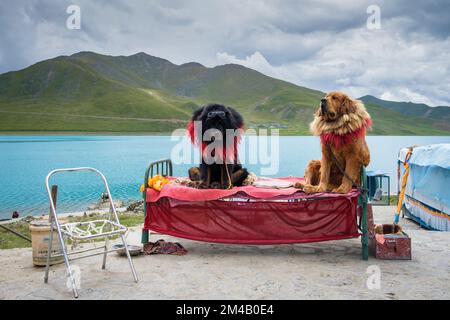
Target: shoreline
<point>162,134</point>
<point>65,215</point>
<point>121,206</point>
<point>81,133</point>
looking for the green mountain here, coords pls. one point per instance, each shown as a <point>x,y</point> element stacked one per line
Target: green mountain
<point>141,93</point>
<point>439,115</point>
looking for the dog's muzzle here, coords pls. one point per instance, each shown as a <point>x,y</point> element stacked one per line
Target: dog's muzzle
<point>323,106</point>
<point>215,114</point>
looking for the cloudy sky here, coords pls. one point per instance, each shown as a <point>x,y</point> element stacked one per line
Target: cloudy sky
<point>321,44</point>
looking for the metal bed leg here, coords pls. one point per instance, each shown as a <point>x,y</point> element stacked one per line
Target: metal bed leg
<point>145,236</point>
<point>362,201</point>
<point>129,258</point>
<point>365,236</point>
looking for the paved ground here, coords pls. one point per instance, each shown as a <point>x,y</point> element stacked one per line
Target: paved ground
<point>329,270</point>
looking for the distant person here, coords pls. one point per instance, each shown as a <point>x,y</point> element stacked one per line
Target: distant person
<point>15,215</point>
<point>104,197</point>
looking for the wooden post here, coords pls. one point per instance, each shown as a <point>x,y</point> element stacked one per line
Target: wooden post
<point>54,198</point>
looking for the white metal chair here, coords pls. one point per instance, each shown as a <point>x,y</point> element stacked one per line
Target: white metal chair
<point>83,231</point>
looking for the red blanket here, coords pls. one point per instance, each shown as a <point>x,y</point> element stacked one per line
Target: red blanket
<point>200,215</point>
<point>180,192</point>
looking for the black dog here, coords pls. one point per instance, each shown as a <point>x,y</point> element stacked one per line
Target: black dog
<point>219,167</point>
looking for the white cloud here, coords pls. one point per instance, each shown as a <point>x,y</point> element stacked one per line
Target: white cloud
<point>361,62</point>
<point>323,44</point>
<point>255,61</point>
<point>405,94</point>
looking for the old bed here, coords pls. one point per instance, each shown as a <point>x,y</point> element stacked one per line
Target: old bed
<point>251,215</point>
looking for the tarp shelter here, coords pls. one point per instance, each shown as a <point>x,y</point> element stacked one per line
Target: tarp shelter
<point>427,194</point>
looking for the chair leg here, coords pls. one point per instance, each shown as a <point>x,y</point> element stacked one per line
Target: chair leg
<point>72,280</point>
<point>129,258</point>
<point>66,260</point>
<point>69,271</point>
<point>105,254</point>
<point>50,245</point>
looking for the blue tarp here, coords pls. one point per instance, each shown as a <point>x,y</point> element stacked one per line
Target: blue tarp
<point>429,183</point>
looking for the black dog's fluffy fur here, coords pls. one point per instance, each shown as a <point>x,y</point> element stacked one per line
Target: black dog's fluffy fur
<point>215,175</point>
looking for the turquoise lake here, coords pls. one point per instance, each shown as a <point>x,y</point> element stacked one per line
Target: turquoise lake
<point>26,160</point>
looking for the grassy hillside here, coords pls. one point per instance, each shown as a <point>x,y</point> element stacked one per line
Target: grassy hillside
<point>388,122</point>
<point>62,95</point>
<point>440,116</point>
<point>142,93</point>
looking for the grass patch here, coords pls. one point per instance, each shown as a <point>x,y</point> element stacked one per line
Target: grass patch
<point>393,200</point>
<point>9,240</point>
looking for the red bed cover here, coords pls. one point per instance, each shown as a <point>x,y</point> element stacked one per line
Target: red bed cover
<point>256,216</point>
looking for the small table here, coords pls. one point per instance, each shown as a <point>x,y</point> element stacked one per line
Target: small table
<point>375,181</point>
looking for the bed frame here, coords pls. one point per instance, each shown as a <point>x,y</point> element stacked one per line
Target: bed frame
<point>165,168</point>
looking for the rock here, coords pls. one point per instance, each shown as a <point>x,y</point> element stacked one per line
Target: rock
<point>105,205</point>
<point>137,206</point>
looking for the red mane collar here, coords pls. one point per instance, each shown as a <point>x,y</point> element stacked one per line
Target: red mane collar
<point>229,153</point>
<point>190,130</point>
<point>339,140</point>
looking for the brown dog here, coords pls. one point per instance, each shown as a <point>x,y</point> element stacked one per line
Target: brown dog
<point>341,122</point>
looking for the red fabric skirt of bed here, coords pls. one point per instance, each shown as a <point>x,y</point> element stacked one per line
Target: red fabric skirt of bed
<point>250,215</point>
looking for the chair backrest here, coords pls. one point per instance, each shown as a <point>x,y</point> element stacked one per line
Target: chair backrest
<point>105,182</point>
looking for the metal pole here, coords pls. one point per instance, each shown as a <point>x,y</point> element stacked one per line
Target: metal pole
<point>362,200</point>
<point>133,271</point>
<point>15,232</point>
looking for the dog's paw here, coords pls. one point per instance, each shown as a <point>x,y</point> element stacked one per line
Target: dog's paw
<point>308,188</point>
<point>299,185</point>
<point>215,185</point>
<point>194,174</point>
<point>251,178</point>
<point>193,184</point>
<point>341,189</point>
<point>314,189</point>
<point>203,185</point>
